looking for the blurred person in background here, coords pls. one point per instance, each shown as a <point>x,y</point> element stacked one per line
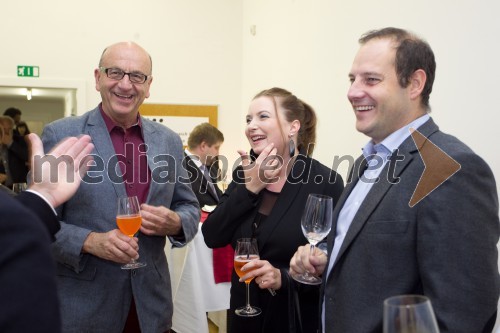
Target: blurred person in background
<point>201,164</point>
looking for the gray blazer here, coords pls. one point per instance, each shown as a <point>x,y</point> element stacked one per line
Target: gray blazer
<point>444,247</point>
<point>96,294</point>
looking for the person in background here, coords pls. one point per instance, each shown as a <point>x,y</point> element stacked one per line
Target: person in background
<point>13,154</point>
<point>3,172</point>
<point>133,156</point>
<point>29,301</point>
<point>442,245</point>
<point>22,129</point>
<point>15,114</point>
<point>200,161</point>
<point>265,201</point>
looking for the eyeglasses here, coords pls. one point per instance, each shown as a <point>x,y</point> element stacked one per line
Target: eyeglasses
<point>118,74</point>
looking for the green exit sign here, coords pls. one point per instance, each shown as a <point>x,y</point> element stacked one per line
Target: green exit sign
<point>28,71</point>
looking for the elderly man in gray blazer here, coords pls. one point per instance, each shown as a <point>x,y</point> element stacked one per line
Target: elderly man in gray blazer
<point>420,212</point>
<point>132,156</point>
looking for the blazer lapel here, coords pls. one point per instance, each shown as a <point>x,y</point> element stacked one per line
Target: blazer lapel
<point>202,184</point>
<point>408,149</point>
<point>155,145</point>
<point>287,197</point>
<point>353,178</point>
<point>371,201</point>
<point>213,190</point>
<point>97,130</point>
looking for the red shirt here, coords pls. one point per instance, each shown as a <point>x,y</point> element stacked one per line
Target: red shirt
<point>131,152</point>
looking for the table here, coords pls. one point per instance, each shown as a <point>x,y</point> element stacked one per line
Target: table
<point>194,291</point>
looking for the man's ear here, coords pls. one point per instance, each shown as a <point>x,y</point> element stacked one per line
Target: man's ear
<point>97,75</point>
<point>417,83</point>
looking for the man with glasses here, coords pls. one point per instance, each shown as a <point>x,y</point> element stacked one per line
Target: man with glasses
<point>132,156</point>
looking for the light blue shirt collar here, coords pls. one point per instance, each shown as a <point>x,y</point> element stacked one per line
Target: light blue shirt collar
<point>394,140</point>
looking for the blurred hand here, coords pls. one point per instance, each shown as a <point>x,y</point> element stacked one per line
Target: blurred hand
<point>112,245</point>
<point>160,221</point>
<point>60,187</point>
<point>302,261</point>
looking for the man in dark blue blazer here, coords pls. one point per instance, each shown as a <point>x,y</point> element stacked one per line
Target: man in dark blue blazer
<point>400,230</point>
<point>28,222</point>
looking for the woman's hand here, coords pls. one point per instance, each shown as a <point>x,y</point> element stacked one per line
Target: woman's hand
<point>266,275</point>
<point>263,171</point>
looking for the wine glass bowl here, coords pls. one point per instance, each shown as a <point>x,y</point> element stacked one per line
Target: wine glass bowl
<point>316,223</point>
<point>409,314</point>
<point>246,251</point>
<point>128,220</point>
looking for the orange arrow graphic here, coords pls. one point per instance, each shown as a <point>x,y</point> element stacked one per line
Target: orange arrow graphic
<point>439,167</point>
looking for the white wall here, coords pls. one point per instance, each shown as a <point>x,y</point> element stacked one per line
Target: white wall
<point>195,45</point>
<point>308,46</point>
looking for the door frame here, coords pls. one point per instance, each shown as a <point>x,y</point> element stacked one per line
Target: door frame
<point>76,107</point>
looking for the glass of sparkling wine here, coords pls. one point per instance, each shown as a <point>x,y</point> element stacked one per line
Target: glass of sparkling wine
<point>128,220</point>
<point>316,223</point>
<point>246,251</point>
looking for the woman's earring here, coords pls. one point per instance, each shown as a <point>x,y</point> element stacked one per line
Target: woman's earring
<point>291,147</point>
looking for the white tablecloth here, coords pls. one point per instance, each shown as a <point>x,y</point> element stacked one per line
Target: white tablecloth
<point>194,290</point>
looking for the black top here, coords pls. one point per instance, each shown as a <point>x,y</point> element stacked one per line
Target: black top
<point>278,236</point>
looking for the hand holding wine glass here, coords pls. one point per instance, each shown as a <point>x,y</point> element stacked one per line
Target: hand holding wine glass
<point>316,224</point>
<point>128,220</point>
<point>409,314</point>
<point>246,251</point>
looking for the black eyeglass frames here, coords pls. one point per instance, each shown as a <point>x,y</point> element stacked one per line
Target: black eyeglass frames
<point>118,74</point>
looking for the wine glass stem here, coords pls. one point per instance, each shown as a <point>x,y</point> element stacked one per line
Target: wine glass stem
<point>311,253</point>
<point>133,260</point>
<point>248,295</point>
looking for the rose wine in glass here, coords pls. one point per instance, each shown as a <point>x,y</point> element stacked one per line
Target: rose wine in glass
<point>246,251</point>
<point>128,220</point>
<point>316,223</point>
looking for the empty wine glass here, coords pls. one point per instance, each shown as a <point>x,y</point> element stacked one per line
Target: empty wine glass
<point>246,251</point>
<point>316,224</point>
<point>409,314</point>
<point>128,220</point>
